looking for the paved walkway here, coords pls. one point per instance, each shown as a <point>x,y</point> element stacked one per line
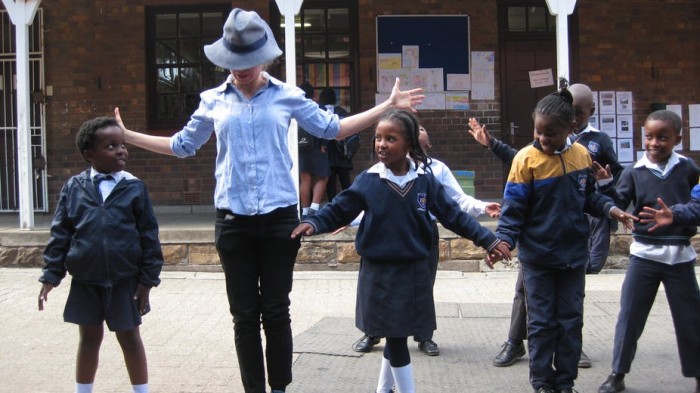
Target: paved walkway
<point>189,338</point>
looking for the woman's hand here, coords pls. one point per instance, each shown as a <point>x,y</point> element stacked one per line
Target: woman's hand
<point>405,99</point>
<point>493,209</point>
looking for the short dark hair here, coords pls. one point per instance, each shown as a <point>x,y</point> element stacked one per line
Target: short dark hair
<point>86,134</point>
<point>667,116</point>
<point>327,97</point>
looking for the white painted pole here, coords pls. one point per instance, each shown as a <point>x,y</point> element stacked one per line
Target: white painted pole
<point>562,9</point>
<point>289,8</point>
<point>22,13</point>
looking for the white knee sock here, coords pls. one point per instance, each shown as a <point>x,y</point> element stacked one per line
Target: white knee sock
<point>386,379</point>
<point>143,388</point>
<point>403,377</point>
<point>83,387</point>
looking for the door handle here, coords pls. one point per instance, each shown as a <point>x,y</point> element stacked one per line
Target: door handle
<point>513,127</point>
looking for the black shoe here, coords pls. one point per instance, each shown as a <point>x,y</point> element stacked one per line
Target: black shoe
<point>429,347</point>
<point>584,361</point>
<point>545,389</point>
<point>569,390</point>
<point>509,354</point>
<point>365,343</point>
<point>615,383</point>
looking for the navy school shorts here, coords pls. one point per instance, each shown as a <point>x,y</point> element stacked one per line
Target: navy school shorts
<point>89,304</point>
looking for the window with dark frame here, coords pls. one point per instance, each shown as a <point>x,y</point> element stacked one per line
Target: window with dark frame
<point>326,41</point>
<point>178,70</point>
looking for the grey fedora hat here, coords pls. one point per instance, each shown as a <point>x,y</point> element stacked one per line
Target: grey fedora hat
<point>247,42</point>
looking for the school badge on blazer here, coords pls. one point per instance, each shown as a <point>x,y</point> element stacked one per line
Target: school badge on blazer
<point>422,200</point>
<point>582,181</point>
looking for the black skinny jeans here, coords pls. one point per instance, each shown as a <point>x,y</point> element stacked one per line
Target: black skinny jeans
<point>257,255</point>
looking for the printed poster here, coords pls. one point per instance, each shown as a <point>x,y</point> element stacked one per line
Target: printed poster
<point>387,78</point>
<point>457,100</point>
<point>409,56</point>
<point>607,103</point>
<point>482,73</point>
<point>624,126</point>
<point>624,102</point>
<point>389,61</point>
<point>608,125</point>
<point>625,150</point>
<point>459,82</point>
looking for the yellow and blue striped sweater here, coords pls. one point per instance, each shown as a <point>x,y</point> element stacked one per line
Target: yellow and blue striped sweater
<point>544,203</point>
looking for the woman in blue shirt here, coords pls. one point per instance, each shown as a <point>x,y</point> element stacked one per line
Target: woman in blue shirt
<point>255,194</point>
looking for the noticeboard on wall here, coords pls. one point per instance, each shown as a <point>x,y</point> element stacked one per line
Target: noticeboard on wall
<point>427,51</point>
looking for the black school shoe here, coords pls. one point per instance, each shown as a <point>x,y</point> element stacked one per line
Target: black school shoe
<point>613,384</point>
<point>429,347</point>
<point>510,353</point>
<point>365,344</point>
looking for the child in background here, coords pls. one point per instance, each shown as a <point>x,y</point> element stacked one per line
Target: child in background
<point>658,254</point>
<point>394,291</point>
<point>105,234</point>
<point>550,188</point>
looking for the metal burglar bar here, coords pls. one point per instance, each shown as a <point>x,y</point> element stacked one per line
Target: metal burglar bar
<point>9,187</point>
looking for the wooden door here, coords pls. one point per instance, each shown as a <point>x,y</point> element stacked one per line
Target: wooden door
<point>521,57</point>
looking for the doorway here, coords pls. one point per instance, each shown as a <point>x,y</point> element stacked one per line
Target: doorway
<point>9,179</point>
<point>527,43</point>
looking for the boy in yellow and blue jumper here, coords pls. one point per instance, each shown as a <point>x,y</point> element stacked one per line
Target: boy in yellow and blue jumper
<point>549,188</point>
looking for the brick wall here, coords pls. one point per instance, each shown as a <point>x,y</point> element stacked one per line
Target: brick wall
<point>95,61</point>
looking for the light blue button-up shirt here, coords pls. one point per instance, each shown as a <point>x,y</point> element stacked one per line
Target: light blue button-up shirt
<point>253,164</point>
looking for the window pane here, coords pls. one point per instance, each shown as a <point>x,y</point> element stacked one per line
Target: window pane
<point>517,19</point>
<point>339,74</point>
<point>314,21</point>
<point>212,26</point>
<point>171,107</point>
<point>338,20</point>
<point>338,47</point>
<point>165,51</point>
<point>343,99</point>
<point>189,80</point>
<point>552,23</point>
<point>315,74</point>
<point>165,25</point>
<point>537,19</point>
<point>189,25</point>
<point>314,47</point>
<point>190,50</point>
<point>167,80</point>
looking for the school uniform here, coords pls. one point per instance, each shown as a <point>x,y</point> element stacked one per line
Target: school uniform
<point>601,149</point>
<point>394,292</point>
<point>545,199</point>
<point>106,237</point>
<point>662,256</point>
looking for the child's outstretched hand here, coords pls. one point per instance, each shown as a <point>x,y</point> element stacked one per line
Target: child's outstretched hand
<point>479,132</point>
<point>141,296</point>
<point>43,294</point>
<point>499,252</point>
<point>626,219</point>
<point>303,229</point>
<point>600,172</point>
<point>493,209</point>
<point>661,217</point>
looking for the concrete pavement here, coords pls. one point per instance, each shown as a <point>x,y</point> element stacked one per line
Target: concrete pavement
<point>189,338</point>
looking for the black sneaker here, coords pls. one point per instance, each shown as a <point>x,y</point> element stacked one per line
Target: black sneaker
<point>510,353</point>
<point>545,389</point>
